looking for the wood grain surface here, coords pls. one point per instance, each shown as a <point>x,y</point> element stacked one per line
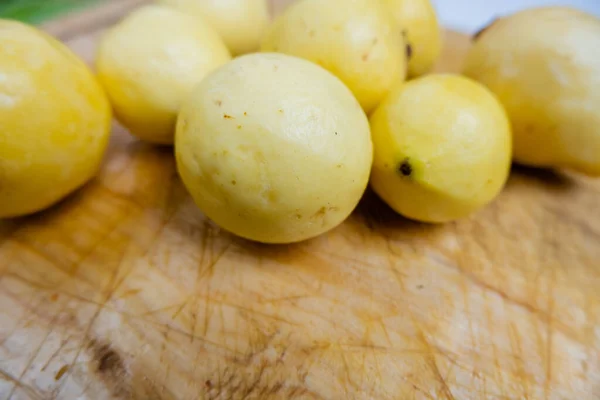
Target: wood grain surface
<point>126,291</point>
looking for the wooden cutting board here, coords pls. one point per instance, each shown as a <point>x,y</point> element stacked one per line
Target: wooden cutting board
<point>126,291</point>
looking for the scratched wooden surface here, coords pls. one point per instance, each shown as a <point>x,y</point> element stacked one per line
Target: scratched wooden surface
<point>125,291</point>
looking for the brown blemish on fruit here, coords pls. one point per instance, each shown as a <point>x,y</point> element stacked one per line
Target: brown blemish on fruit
<point>405,168</point>
<point>409,51</point>
<point>219,103</point>
<point>226,116</point>
<point>322,212</point>
<point>245,114</point>
<point>234,182</point>
<point>280,111</point>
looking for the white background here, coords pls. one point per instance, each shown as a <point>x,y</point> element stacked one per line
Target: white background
<point>470,15</point>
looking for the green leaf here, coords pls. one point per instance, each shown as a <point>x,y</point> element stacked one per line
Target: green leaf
<point>37,11</point>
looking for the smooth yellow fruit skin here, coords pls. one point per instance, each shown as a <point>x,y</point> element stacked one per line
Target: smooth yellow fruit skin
<point>442,147</point>
<point>150,61</point>
<point>419,23</point>
<point>356,40</point>
<point>544,66</point>
<point>241,23</point>
<point>54,121</point>
<point>274,148</point>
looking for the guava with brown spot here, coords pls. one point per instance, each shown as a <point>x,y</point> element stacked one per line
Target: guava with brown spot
<point>286,161</point>
<point>356,40</point>
<point>454,147</point>
<point>421,32</point>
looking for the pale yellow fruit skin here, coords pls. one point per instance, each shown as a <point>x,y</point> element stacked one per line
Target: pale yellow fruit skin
<point>274,148</point>
<point>241,23</point>
<point>150,61</point>
<point>419,23</point>
<point>356,40</point>
<point>544,66</point>
<point>54,121</point>
<point>454,135</point>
